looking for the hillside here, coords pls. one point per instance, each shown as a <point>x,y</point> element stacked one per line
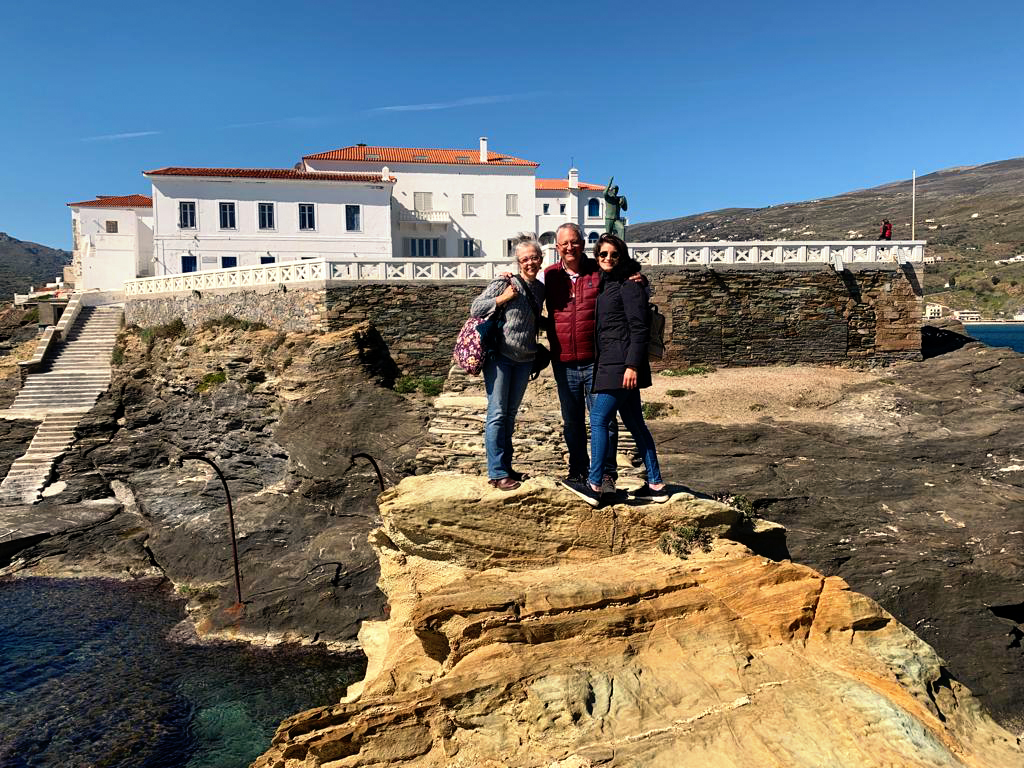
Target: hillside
<point>24,264</point>
<point>970,216</point>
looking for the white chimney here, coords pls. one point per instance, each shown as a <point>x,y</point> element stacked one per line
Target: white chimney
<point>574,179</point>
<point>483,149</point>
<point>385,174</point>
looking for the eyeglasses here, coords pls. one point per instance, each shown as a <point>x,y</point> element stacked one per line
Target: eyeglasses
<point>528,259</point>
<point>571,244</point>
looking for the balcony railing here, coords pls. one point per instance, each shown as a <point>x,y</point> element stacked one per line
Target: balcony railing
<point>430,217</point>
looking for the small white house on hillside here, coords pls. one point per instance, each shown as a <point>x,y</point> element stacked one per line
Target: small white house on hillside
<point>218,218</point>
<point>112,239</point>
<point>569,199</point>
<point>446,203</point>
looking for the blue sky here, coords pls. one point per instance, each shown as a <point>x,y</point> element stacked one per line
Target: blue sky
<point>691,106</point>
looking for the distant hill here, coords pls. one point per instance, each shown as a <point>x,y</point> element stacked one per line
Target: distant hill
<point>24,264</point>
<point>970,217</point>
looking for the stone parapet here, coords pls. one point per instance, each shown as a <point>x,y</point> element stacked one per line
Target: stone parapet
<point>284,308</point>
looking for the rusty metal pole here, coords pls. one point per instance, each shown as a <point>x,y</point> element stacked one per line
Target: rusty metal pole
<point>231,516</point>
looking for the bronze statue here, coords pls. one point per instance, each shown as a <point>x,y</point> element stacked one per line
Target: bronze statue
<point>612,205</point>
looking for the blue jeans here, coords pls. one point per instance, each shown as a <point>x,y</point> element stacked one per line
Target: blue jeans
<point>574,396</point>
<point>505,382</point>
<point>602,414</point>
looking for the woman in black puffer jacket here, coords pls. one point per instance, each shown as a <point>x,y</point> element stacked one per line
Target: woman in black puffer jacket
<point>621,368</point>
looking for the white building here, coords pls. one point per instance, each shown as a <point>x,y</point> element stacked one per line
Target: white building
<point>354,202</point>
<point>967,315</point>
<point>218,218</point>
<point>933,311</point>
<point>112,239</point>
<point>562,200</point>
<point>446,203</point>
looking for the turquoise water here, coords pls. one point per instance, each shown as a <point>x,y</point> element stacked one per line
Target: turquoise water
<point>999,334</point>
<point>88,678</point>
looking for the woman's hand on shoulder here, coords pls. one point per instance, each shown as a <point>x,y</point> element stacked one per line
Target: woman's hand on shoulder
<point>507,295</point>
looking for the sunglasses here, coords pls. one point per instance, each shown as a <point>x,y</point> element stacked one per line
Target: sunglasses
<point>608,256</point>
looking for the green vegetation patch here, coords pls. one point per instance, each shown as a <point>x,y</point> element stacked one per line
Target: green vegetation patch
<point>677,392</point>
<point>172,330</point>
<point>683,539</point>
<point>428,385</point>
<point>211,380</point>
<point>233,323</point>
<point>117,356</point>
<point>693,370</point>
<point>655,410</point>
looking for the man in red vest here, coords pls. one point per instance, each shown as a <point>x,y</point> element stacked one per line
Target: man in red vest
<point>570,296</point>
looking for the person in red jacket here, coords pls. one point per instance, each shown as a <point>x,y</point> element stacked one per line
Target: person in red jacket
<point>886,232</point>
<point>571,287</point>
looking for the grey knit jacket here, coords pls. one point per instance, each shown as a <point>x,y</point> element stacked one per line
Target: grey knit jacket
<point>520,340</point>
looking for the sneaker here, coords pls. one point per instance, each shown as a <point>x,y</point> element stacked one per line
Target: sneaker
<point>646,493</point>
<point>574,477</point>
<point>504,483</point>
<point>608,486</point>
<point>585,492</point>
<point>517,476</point>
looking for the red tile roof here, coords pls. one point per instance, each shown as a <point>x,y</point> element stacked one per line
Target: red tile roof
<point>412,155</point>
<point>285,174</point>
<point>547,184</point>
<point>116,201</point>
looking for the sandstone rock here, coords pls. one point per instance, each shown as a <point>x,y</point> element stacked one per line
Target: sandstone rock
<point>619,655</point>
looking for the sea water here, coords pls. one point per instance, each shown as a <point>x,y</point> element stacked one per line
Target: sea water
<point>88,677</point>
<point>998,334</point>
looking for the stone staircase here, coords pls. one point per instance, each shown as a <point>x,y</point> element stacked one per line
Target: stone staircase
<point>76,374</point>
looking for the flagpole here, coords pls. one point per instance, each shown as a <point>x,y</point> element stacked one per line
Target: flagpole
<point>913,206</point>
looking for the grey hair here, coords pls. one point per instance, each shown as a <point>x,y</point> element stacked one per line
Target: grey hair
<point>528,239</point>
<point>575,228</point>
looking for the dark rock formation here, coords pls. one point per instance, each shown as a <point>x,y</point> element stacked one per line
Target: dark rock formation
<point>282,416</point>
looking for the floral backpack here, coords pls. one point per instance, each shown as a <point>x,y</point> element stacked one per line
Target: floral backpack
<point>477,339</point>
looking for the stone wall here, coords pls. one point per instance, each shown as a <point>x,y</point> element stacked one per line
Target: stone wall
<point>732,315</point>
<point>286,308</point>
<point>419,321</point>
<point>804,313</point>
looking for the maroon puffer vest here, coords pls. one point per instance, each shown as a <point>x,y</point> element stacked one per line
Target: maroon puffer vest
<point>571,310</point>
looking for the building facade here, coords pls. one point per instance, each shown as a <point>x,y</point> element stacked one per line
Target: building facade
<point>569,199</point>
<point>219,218</point>
<point>112,241</point>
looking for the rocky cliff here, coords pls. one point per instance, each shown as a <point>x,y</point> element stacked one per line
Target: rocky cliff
<point>283,416</point>
<point>527,629</point>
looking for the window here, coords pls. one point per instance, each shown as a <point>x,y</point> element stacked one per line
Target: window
<point>268,259</point>
<point>188,263</point>
<point>511,205</point>
<point>470,248</point>
<point>468,205</point>
<point>561,208</point>
<point>594,208</point>
<point>187,214</point>
<point>423,247</point>
<point>423,201</point>
<point>353,218</point>
<point>307,220</point>
<point>592,237</point>
<point>547,208</point>
<point>227,215</point>
<point>111,227</point>
<point>227,262</point>
<point>266,215</point>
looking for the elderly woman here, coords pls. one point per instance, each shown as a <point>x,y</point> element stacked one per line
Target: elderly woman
<point>507,370</point>
<point>621,369</point>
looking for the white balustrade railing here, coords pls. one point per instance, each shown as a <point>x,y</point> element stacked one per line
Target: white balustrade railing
<point>775,252</point>
<point>338,269</point>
